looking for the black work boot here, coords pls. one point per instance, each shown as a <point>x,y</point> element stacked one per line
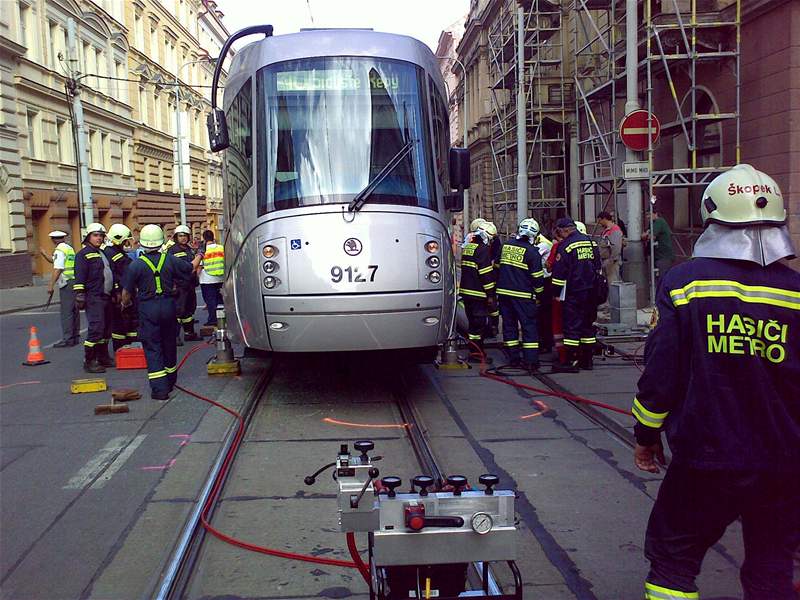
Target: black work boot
<point>178,338</point>
<point>189,334</point>
<point>585,361</point>
<point>90,364</point>
<point>570,364</point>
<point>101,354</point>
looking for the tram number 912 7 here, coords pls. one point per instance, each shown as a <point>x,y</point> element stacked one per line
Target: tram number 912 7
<point>351,274</point>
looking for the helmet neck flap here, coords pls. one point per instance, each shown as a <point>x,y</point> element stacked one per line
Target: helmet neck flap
<point>761,244</point>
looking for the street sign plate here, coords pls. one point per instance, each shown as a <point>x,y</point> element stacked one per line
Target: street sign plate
<point>636,170</point>
<point>634,127</point>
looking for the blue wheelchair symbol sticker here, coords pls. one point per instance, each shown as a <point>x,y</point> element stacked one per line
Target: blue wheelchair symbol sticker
<point>297,244</point>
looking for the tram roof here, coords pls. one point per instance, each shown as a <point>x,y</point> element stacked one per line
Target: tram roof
<point>331,42</point>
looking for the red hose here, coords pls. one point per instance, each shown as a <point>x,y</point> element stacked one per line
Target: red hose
<point>229,456</point>
<point>546,392</point>
<point>354,554</point>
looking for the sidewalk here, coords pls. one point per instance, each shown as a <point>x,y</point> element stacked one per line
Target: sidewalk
<point>27,297</point>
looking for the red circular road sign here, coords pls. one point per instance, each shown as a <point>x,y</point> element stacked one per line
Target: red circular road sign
<point>634,127</point>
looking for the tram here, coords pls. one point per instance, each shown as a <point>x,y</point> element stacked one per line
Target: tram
<point>338,187</point>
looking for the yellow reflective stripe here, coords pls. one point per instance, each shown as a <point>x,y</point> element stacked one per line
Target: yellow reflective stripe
<point>90,344</point>
<point>724,288</point>
<point>469,263</point>
<point>186,320</point>
<point>539,274</point>
<point>92,255</point>
<point>118,336</point>
<point>157,374</point>
<point>556,281</point>
<point>156,269</point>
<point>511,343</point>
<point>170,369</point>
<point>589,340</point>
<point>538,290</point>
<point>117,256</point>
<point>513,263</point>
<point>472,293</point>
<point>495,313</point>
<point>530,345</point>
<point>646,417</point>
<point>485,270</point>
<point>513,293</point>
<point>489,286</point>
<point>132,334</point>
<point>569,342</point>
<point>656,592</point>
<point>78,286</point>
<point>474,336</point>
<point>580,244</point>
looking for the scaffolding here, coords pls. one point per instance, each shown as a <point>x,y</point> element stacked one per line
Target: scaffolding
<point>547,108</point>
<point>679,41</point>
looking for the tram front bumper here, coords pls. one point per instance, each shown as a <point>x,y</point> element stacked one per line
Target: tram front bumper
<point>354,322</point>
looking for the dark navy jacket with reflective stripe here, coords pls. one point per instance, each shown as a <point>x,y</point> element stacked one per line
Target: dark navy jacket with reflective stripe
<point>575,264</point>
<point>722,374</point>
<point>119,262</point>
<point>477,270</point>
<point>140,280</point>
<point>521,274</point>
<point>89,271</point>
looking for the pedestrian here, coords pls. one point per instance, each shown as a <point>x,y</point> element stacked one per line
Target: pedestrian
<point>94,282</point>
<point>477,286</point>
<point>123,321</point>
<point>187,297</point>
<point>612,234</point>
<point>64,276</point>
<point>722,380</point>
<point>152,280</point>
<point>663,254</point>
<point>574,272</point>
<point>212,275</point>
<point>520,280</point>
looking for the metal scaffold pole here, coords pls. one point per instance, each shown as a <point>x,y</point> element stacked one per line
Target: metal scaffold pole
<point>522,159</point>
<point>85,190</point>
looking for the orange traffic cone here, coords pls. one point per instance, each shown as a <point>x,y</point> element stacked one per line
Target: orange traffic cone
<point>35,354</point>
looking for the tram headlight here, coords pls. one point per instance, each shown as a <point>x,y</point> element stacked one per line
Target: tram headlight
<point>270,266</point>
<point>432,246</point>
<point>269,251</point>
<point>433,262</point>
<point>434,277</point>
<point>271,282</point>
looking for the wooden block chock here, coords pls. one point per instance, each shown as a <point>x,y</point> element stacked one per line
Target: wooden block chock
<point>113,408</point>
<point>125,395</point>
<point>83,386</point>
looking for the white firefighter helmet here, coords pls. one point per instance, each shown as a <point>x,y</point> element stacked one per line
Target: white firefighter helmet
<point>151,236</point>
<point>489,228</point>
<point>95,228</point>
<point>744,218</point>
<point>580,226</point>
<point>476,223</point>
<point>743,196</point>
<point>529,228</point>
<point>183,229</point>
<point>118,233</point>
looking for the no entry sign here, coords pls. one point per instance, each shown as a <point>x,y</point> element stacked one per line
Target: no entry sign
<point>634,128</point>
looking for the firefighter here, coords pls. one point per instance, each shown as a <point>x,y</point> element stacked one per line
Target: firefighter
<point>64,277</point>
<point>544,302</point>
<point>722,379</point>
<point>123,321</point>
<point>520,280</point>
<point>495,246</point>
<point>473,227</point>
<point>574,271</point>
<point>477,286</point>
<point>94,282</point>
<point>152,279</point>
<point>187,297</point>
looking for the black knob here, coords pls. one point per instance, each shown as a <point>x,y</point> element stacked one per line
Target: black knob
<point>364,446</point>
<point>489,481</point>
<point>373,472</point>
<point>423,482</point>
<point>458,482</point>
<point>392,483</point>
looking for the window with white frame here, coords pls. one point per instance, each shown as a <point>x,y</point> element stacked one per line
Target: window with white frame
<point>27,30</point>
<point>157,122</point>
<point>33,122</point>
<point>154,43</point>
<point>138,31</point>
<point>66,155</point>
<point>95,149</point>
<point>147,174</point>
<point>143,115</point>
<point>125,155</point>
<point>105,160</point>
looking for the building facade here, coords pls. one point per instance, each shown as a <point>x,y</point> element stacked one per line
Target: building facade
<point>129,98</point>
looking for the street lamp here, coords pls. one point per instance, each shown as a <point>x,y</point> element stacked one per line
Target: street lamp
<point>178,132</point>
<point>465,213</point>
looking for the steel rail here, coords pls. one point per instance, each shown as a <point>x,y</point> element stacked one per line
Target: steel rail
<point>177,572</point>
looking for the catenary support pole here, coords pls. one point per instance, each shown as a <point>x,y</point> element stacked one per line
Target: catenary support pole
<point>522,146</point>
<point>85,191</point>
<point>179,146</point>
<point>635,268</point>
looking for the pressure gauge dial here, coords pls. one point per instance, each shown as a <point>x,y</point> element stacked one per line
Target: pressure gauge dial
<point>481,523</point>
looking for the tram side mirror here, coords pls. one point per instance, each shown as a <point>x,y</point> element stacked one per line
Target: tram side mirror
<point>217,130</point>
<point>458,163</point>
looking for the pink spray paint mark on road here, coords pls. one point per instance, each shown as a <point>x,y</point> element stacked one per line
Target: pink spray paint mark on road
<point>184,437</point>
<point>163,467</point>
<point>8,385</point>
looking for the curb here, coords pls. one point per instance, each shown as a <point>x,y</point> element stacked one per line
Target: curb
<point>8,311</point>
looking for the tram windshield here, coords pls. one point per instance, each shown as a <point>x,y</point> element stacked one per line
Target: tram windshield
<point>328,126</point>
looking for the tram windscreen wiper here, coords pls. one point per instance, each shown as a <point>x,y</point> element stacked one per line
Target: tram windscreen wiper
<point>361,198</point>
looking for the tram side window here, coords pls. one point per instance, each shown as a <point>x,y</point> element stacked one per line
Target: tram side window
<point>441,135</point>
<point>239,155</point>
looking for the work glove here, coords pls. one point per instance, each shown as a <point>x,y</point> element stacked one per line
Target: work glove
<point>80,300</point>
<point>491,303</point>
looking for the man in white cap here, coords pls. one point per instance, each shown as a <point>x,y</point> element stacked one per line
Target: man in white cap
<point>63,276</point>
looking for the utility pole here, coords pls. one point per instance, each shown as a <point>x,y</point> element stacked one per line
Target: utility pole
<point>634,253</point>
<point>85,190</point>
<point>522,145</point>
<point>179,145</point>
